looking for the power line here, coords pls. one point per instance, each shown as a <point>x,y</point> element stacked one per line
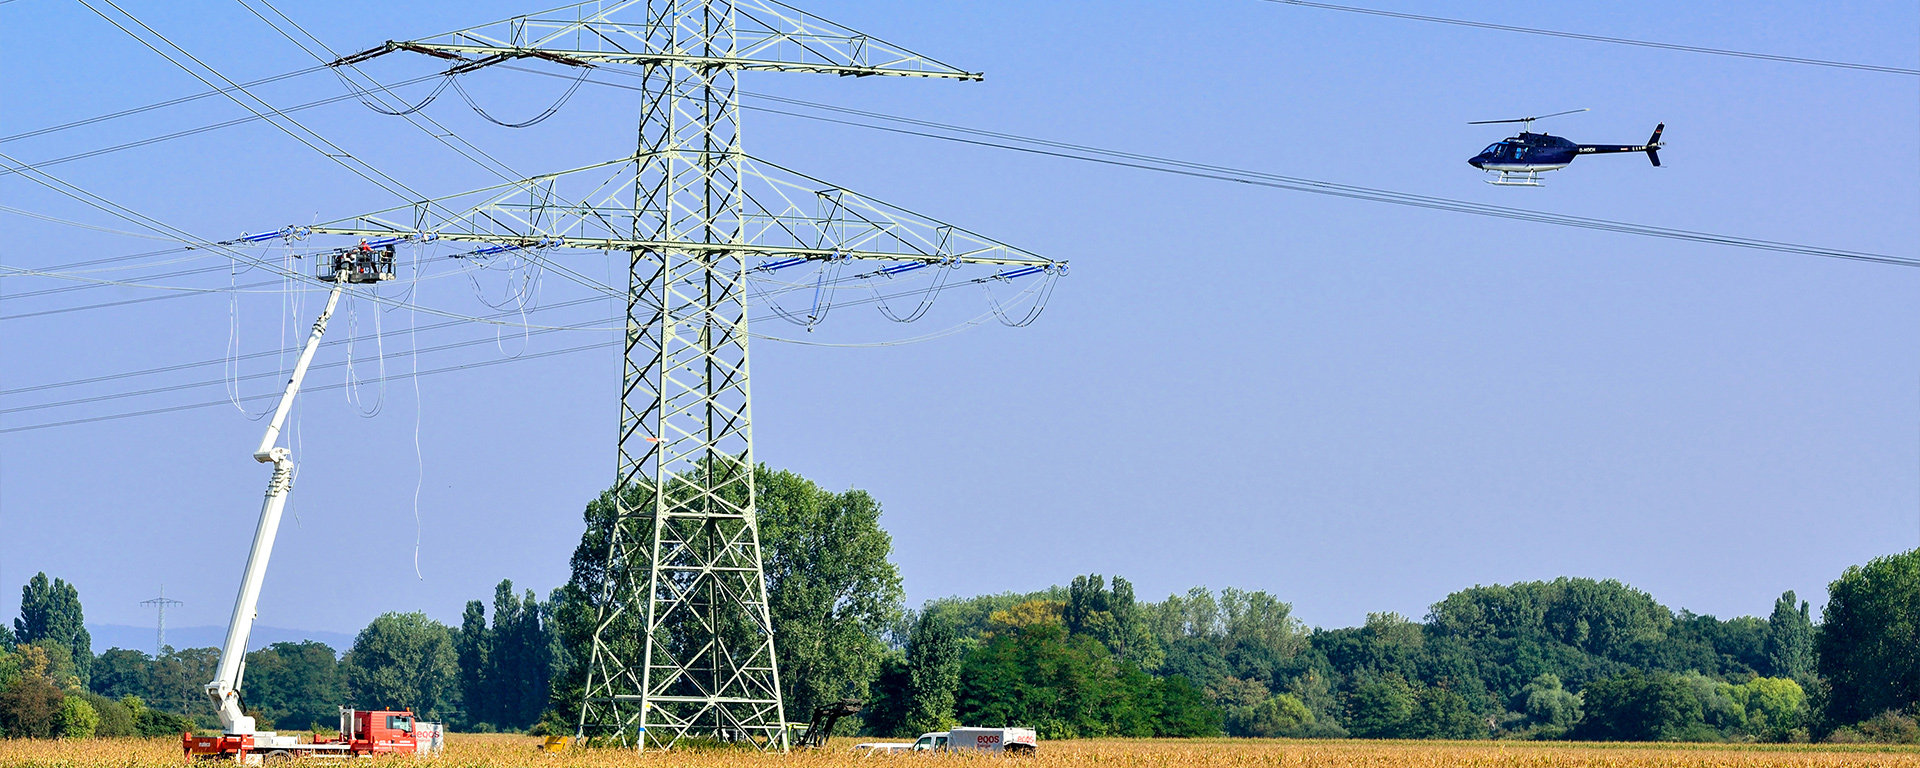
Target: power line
<point>1216,172</point>
<point>1188,168</point>
<point>876,298</point>
<point>321,388</point>
<point>265,353</point>
<point>157,105</point>
<point>1601,39</point>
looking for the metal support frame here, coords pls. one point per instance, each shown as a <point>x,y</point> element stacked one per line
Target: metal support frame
<point>683,639</point>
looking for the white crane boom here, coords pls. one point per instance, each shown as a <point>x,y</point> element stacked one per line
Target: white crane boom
<point>225,685</point>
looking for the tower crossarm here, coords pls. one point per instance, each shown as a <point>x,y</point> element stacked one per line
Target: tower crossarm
<point>767,36</point>
<point>784,216</point>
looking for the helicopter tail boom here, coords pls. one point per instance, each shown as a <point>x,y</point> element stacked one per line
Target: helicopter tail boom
<point>1652,147</point>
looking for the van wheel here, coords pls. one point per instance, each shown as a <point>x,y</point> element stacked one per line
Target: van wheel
<point>1020,749</point>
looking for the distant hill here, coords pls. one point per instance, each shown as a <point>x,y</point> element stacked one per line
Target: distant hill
<point>141,638</point>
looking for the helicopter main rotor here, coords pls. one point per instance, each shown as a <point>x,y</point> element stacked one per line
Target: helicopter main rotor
<point>1527,120</point>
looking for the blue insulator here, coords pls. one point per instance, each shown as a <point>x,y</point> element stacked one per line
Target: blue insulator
<point>1021,272</point>
<point>781,264</point>
<point>246,238</point>
<point>387,241</point>
<point>899,268</point>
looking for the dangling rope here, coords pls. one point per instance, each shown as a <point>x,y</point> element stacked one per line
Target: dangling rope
<point>537,119</point>
<point>519,299</point>
<point>354,398</point>
<point>231,368</point>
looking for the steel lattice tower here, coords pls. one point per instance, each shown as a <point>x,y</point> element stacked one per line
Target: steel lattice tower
<point>683,640</point>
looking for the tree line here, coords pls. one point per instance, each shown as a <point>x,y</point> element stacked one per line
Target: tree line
<point>1564,659</point>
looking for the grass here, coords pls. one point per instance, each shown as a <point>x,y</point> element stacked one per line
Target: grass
<point>510,751</point>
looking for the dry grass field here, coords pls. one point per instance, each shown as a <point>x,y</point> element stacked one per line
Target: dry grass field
<point>516,751</point>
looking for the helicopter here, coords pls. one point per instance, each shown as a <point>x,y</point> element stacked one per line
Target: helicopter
<point>1520,160</point>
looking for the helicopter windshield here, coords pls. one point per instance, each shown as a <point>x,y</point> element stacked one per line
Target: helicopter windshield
<point>1491,148</point>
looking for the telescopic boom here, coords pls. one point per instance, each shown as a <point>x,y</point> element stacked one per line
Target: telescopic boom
<point>224,688</point>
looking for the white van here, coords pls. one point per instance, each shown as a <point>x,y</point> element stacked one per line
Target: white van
<point>1015,740</point>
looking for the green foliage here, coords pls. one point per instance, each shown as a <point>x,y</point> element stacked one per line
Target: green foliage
<point>889,697</point>
<point>933,665</point>
<point>1281,715</point>
<point>1790,649</point>
<point>1639,707</point>
<point>1775,708</point>
<point>297,686</point>
<point>505,670</point>
<point>1239,634</point>
<point>120,672</point>
<point>403,661</point>
<point>76,719</point>
<point>1868,634</point>
<point>154,723</point>
<point>116,720</point>
<point>1382,708</point>
<point>969,615</point>
<point>1184,712</point>
<point>30,708</point>
<point>1546,704</point>
<point>831,590</point>
<point>1112,617</point>
<point>51,612</point>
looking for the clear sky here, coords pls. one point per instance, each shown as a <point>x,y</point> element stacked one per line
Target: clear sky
<point>1355,406</point>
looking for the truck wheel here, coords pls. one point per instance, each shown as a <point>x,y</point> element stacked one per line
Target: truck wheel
<point>279,757</point>
<point>1019,749</point>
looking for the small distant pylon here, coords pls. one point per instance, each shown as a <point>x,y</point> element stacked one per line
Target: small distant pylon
<point>161,603</point>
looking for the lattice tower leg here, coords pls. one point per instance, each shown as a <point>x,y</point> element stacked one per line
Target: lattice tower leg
<point>683,641</point>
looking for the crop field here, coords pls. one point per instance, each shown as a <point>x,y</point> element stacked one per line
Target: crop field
<point>512,751</point>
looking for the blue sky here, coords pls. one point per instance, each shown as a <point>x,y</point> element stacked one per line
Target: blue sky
<point>1355,406</point>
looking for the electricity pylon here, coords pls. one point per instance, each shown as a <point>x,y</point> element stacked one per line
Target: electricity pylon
<point>683,641</point>
<point>161,603</point>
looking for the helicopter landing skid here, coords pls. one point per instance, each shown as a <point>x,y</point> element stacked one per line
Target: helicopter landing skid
<point>1517,179</point>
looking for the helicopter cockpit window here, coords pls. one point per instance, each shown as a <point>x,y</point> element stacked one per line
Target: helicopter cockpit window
<point>1491,148</point>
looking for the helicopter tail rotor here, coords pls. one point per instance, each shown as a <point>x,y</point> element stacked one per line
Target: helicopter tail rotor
<point>1653,145</point>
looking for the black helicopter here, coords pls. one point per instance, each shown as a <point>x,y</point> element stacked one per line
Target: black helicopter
<point>1520,160</point>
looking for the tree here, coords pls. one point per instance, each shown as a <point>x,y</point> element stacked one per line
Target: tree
<point>889,698</point>
<point>933,665</point>
<point>1112,617</point>
<point>506,670</point>
<point>51,611</point>
<point>77,719</point>
<point>1775,707</point>
<point>831,591</point>
<point>471,650</point>
<point>403,660</point>
<point>30,708</point>
<point>1030,670</point>
<point>1550,709</point>
<point>177,681</point>
<point>295,685</point>
<point>1790,651</point>
<point>1868,634</point>
<point>120,672</point>
<point>1382,708</point>
<point>1638,707</point>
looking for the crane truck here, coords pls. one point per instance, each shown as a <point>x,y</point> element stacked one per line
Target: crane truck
<point>362,733</point>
